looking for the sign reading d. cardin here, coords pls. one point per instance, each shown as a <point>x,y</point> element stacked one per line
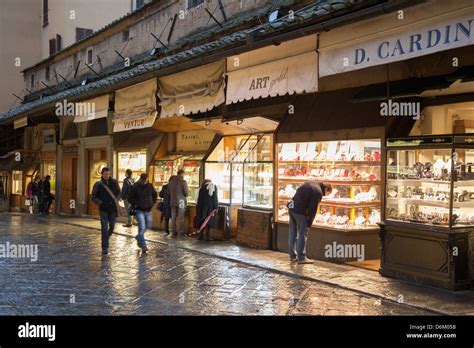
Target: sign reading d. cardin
<point>422,38</point>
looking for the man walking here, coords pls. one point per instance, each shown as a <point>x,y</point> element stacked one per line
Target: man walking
<point>142,197</point>
<point>178,189</point>
<point>127,185</point>
<point>46,196</point>
<point>105,194</point>
<point>302,210</point>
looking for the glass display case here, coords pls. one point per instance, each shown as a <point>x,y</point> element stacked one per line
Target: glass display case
<point>430,180</point>
<point>134,160</point>
<point>167,166</point>
<point>352,167</point>
<point>242,168</point>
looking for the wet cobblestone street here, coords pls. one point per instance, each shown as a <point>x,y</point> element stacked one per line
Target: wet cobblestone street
<point>71,277</point>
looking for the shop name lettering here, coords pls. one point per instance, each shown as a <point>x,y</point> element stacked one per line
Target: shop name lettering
<point>134,124</point>
<point>195,139</point>
<point>262,82</point>
<point>66,108</point>
<point>417,42</point>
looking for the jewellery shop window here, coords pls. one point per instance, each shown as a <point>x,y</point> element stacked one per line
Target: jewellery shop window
<point>242,169</point>
<point>420,182</point>
<point>353,169</point>
<point>169,165</point>
<point>135,160</point>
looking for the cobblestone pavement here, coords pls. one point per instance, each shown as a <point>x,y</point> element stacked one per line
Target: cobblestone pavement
<point>71,277</point>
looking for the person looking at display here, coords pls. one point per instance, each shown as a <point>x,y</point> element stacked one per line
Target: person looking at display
<point>178,188</point>
<point>126,186</point>
<point>302,210</point>
<point>46,195</point>
<point>165,206</point>
<point>105,194</point>
<point>142,197</point>
<point>206,207</point>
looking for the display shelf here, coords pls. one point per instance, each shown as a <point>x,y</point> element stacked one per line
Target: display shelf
<point>361,204</point>
<point>328,181</point>
<point>340,228</point>
<point>333,163</point>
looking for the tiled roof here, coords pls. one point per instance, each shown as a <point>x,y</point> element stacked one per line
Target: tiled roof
<point>307,15</point>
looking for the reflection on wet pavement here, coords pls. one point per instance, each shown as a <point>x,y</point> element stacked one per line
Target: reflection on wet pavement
<point>71,277</point>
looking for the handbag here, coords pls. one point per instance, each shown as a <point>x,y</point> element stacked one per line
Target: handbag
<point>121,211</point>
<point>27,202</point>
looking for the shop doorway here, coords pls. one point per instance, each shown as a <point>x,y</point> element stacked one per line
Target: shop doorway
<point>97,159</point>
<point>69,184</point>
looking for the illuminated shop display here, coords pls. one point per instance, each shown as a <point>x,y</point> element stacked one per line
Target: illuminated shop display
<point>169,165</point>
<point>430,180</point>
<point>242,168</point>
<point>136,161</point>
<point>352,167</point>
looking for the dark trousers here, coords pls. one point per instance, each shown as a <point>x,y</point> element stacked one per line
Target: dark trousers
<point>107,224</point>
<point>166,224</point>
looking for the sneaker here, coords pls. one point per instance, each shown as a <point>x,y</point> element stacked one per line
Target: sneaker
<point>127,225</point>
<point>138,242</point>
<point>144,248</point>
<point>305,261</point>
<point>293,260</point>
<point>105,252</point>
<point>111,232</point>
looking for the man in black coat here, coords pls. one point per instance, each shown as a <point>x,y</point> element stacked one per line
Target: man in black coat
<point>45,194</point>
<point>142,197</point>
<point>126,187</point>
<point>105,194</point>
<point>207,203</point>
<point>302,210</point>
<point>166,212</point>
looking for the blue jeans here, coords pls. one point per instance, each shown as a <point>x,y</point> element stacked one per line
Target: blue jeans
<point>297,234</point>
<point>145,221</point>
<point>107,224</point>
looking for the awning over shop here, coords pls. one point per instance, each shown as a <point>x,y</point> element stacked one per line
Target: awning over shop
<point>239,126</point>
<point>135,106</point>
<point>19,160</point>
<point>290,67</point>
<point>192,91</point>
<point>135,139</point>
<point>20,123</point>
<point>91,109</point>
<point>332,116</point>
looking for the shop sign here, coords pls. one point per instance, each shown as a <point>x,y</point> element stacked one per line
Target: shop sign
<point>22,122</point>
<point>296,74</point>
<point>70,149</point>
<point>406,43</point>
<point>137,122</point>
<point>194,140</point>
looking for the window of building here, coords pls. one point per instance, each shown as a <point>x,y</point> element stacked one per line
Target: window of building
<point>32,81</point>
<point>139,4</point>
<point>89,56</point>
<point>45,13</point>
<point>194,3</point>
<point>55,45</point>
<point>82,33</point>
<point>97,127</point>
<point>17,182</point>
<point>70,132</point>
<point>47,73</point>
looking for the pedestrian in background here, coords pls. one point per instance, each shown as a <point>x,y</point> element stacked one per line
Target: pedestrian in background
<point>166,206</point>
<point>29,195</point>
<point>127,185</point>
<point>206,206</point>
<point>178,188</point>
<point>105,194</point>
<point>35,193</point>
<point>302,210</point>
<point>142,197</point>
<point>46,198</point>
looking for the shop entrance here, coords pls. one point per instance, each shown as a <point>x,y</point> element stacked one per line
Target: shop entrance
<point>69,183</point>
<point>97,160</point>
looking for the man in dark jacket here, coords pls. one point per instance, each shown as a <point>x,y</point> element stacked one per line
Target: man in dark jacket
<point>302,210</point>
<point>46,196</point>
<point>105,194</point>
<point>127,185</point>
<point>166,212</point>
<point>178,188</point>
<point>206,204</point>
<point>142,197</point>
